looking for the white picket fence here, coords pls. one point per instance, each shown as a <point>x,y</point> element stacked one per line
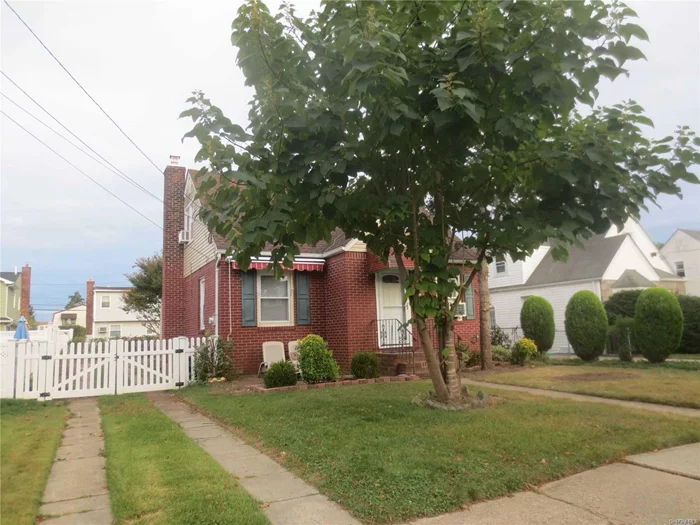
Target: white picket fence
<point>58,369</point>
<point>48,333</point>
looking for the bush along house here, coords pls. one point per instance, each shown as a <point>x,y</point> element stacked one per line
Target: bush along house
<point>338,290</point>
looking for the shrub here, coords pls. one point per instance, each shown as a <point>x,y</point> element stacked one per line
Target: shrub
<point>537,322</point>
<point>658,324</point>
<point>365,365</point>
<point>499,337</point>
<point>690,341</point>
<point>586,325</point>
<point>211,360</point>
<point>524,350</point>
<point>625,333</point>
<point>281,373</point>
<point>500,354</point>
<point>316,360</point>
<point>621,304</point>
<point>79,332</point>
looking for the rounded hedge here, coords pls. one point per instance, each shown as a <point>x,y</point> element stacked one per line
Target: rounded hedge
<point>586,325</point>
<point>523,351</point>
<point>316,360</point>
<point>690,342</point>
<point>281,373</point>
<point>365,365</point>
<point>621,304</point>
<point>658,324</point>
<point>537,322</point>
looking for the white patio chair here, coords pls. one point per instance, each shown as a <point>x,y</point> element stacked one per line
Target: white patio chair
<point>273,351</point>
<point>294,355</point>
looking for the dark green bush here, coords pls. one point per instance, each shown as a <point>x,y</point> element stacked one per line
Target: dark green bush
<point>500,354</point>
<point>211,360</point>
<point>690,341</point>
<point>365,365</point>
<point>621,304</point>
<point>316,360</point>
<point>658,324</point>
<point>523,351</point>
<point>281,373</point>
<point>499,337</point>
<point>537,322</point>
<point>586,325</point>
<point>623,336</point>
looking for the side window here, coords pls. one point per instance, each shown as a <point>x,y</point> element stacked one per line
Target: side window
<point>680,269</point>
<point>500,264</point>
<point>106,301</point>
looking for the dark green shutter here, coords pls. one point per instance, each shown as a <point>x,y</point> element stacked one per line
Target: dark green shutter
<point>303,299</point>
<point>469,299</point>
<point>249,301</point>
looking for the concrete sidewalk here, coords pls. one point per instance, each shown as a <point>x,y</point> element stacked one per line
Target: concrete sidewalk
<point>288,499</point>
<point>620,493</point>
<point>76,492</point>
<point>666,409</point>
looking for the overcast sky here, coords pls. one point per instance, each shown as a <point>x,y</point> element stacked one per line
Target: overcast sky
<point>141,60</point>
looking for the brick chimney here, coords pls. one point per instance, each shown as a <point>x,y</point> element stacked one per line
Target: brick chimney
<point>26,292</point>
<point>173,305</point>
<point>90,305</point>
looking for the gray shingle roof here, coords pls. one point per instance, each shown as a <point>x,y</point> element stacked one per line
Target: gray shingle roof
<point>695,234</point>
<point>587,263</point>
<point>666,275</point>
<point>10,276</point>
<point>632,279</point>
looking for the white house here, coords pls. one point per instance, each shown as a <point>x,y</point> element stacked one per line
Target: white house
<point>105,315</point>
<point>683,252</point>
<point>619,260</point>
<point>71,316</point>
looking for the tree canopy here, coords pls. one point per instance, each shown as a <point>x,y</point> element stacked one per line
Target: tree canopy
<point>419,126</point>
<point>144,299</point>
<point>75,300</point>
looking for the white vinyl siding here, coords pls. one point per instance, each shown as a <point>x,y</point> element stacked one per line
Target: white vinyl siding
<point>684,248</point>
<point>629,257</point>
<point>200,250</point>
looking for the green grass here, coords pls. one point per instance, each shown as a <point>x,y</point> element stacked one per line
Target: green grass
<point>690,357</point>
<point>157,475</point>
<point>29,436</point>
<point>675,384</point>
<point>385,459</point>
<point>688,364</point>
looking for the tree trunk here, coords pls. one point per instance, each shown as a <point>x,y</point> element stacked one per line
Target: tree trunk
<point>454,382</point>
<point>441,391</point>
<point>485,318</point>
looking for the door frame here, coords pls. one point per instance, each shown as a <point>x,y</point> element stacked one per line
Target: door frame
<point>378,282</point>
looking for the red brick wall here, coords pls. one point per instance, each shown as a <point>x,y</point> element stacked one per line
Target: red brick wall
<point>190,306</point>
<point>26,296</point>
<point>361,300</point>
<point>173,308</point>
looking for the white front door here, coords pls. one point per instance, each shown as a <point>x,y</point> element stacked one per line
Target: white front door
<point>392,312</point>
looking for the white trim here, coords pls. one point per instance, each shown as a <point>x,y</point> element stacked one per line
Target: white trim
<point>378,296</point>
<point>202,302</point>
<point>6,281</point>
<point>289,277</point>
<point>109,306</point>
<point>216,296</point>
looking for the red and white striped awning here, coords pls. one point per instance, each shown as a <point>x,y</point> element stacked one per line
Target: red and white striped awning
<point>300,265</point>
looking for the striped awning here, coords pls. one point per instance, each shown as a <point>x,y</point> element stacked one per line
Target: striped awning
<point>300,265</point>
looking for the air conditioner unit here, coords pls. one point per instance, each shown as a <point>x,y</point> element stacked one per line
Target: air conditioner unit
<point>103,330</point>
<point>461,312</point>
<point>185,237</point>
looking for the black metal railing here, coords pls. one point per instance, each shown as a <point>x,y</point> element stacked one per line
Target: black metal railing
<point>392,333</point>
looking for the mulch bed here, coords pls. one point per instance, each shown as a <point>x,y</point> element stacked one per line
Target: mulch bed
<point>347,382</point>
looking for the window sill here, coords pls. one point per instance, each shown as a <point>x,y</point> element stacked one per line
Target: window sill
<point>275,324</point>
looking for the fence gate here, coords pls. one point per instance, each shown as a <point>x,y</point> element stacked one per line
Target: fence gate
<point>49,369</point>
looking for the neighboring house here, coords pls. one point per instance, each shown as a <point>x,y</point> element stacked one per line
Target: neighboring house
<point>70,317</point>
<point>105,316</point>
<point>619,260</point>
<point>338,290</point>
<point>15,296</point>
<point>683,252</point>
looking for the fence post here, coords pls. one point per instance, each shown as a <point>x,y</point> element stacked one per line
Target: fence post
<point>8,368</point>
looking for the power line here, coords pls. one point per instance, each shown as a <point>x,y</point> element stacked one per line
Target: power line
<point>81,86</point>
<point>118,173</point>
<point>81,171</point>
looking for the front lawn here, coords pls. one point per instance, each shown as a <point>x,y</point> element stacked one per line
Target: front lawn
<point>30,433</point>
<point>386,459</point>
<point>157,475</point>
<point>670,383</point>
<point>690,357</point>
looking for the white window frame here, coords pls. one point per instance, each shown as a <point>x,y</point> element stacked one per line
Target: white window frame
<point>288,275</point>
<point>680,269</point>
<point>110,330</point>
<point>202,301</point>
<point>102,329</point>
<point>109,302</point>
<point>189,217</point>
<point>496,262</point>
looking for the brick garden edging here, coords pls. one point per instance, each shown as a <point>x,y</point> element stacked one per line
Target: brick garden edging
<point>346,382</point>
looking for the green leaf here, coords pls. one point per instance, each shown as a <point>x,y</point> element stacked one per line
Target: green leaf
<point>541,76</point>
<point>630,30</point>
<point>464,62</point>
<point>445,103</point>
<point>396,128</point>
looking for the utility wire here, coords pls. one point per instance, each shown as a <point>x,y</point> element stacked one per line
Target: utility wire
<point>113,170</point>
<point>81,171</point>
<point>81,86</point>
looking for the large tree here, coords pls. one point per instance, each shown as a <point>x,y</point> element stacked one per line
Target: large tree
<point>74,300</point>
<point>421,127</point>
<point>144,299</point>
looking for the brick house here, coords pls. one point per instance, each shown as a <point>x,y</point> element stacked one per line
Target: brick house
<point>338,290</point>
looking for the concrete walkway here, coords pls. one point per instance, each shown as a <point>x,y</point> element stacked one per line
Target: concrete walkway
<point>76,492</point>
<point>288,499</point>
<point>666,409</point>
<point>618,494</point>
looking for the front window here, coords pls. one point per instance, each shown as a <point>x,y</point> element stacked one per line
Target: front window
<point>274,299</point>
<point>105,301</point>
<point>115,330</point>
<point>680,269</point>
<point>500,264</point>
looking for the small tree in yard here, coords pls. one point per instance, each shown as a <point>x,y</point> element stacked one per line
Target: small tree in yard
<point>406,123</point>
<point>586,325</point>
<point>537,322</point>
<point>658,324</point>
<point>144,298</point>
